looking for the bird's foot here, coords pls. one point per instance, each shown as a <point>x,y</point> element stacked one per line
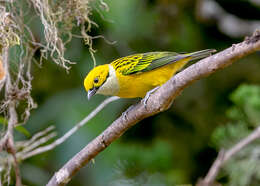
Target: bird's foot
<point>124,114</point>
<point>148,94</point>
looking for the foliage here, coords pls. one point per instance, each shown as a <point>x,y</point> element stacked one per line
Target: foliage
<point>244,168</point>
<point>19,128</point>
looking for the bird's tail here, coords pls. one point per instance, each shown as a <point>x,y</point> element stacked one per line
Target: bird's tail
<point>200,54</point>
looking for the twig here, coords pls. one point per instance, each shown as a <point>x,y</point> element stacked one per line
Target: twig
<point>38,143</point>
<point>38,135</point>
<point>211,11</point>
<point>159,101</point>
<point>32,147</point>
<point>70,132</point>
<point>7,142</point>
<point>224,156</point>
<point>10,141</point>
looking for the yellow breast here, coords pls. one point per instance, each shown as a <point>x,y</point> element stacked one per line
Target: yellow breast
<point>137,85</point>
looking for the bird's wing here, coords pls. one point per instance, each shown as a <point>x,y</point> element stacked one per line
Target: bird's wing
<point>145,62</point>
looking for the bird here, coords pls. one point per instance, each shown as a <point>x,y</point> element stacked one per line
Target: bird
<point>138,75</point>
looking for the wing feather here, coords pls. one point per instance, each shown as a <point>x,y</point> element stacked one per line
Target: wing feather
<point>145,62</point>
<point>148,61</point>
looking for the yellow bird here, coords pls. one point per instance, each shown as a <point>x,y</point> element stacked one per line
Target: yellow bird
<point>135,75</point>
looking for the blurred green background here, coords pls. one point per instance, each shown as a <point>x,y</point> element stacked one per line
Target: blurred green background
<point>173,147</point>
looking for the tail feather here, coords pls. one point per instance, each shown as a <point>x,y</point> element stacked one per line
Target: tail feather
<point>201,54</point>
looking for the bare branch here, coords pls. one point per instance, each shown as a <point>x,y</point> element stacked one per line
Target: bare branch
<point>58,27</point>
<point>224,156</point>
<point>229,24</point>
<point>37,143</point>
<point>38,136</point>
<point>26,154</point>
<point>32,147</point>
<point>159,101</point>
<point>7,142</point>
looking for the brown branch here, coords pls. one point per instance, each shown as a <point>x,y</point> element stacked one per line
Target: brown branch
<point>223,156</point>
<point>32,147</point>
<point>160,101</point>
<point>7,142</point>
<point>10,147</point>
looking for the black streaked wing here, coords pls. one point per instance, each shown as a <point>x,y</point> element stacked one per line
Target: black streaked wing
<point>144,62</point>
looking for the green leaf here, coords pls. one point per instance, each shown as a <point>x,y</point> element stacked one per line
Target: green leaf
<point>23,130</point>
<point>18,128</point>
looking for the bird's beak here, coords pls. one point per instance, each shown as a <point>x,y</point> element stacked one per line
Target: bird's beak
<point>92,92</point>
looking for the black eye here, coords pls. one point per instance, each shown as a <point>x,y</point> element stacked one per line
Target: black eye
<point>96,80</point>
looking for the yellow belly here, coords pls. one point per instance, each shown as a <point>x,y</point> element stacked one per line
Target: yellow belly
<point>137,85</point>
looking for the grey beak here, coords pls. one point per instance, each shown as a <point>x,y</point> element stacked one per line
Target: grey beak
<point>92,92</point>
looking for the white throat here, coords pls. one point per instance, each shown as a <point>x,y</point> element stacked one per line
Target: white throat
<point>111,86</point>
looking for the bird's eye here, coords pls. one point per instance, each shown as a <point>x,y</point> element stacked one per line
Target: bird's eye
<point>96,80</point>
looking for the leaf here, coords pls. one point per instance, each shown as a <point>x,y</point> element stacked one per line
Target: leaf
<point>18,128</point>
<point>23,130</point>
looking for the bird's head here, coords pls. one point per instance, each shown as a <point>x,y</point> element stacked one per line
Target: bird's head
<point>95,79</point>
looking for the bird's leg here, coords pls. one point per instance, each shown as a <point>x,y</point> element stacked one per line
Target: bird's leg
<point>148,94</point>
<point>144,101</point>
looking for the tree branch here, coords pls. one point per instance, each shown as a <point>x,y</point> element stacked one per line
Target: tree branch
<point>34,151</point>
<point>224,156</point>
<point>32,147</point>
<point>7,142</point>
<point>160,101</point>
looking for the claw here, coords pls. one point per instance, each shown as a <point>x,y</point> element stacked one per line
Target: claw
<point>124,114</point>
<point>148,94</point>
<point>144,101</point>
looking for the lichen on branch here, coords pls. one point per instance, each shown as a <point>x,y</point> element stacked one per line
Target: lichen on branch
<point>60,20</point>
